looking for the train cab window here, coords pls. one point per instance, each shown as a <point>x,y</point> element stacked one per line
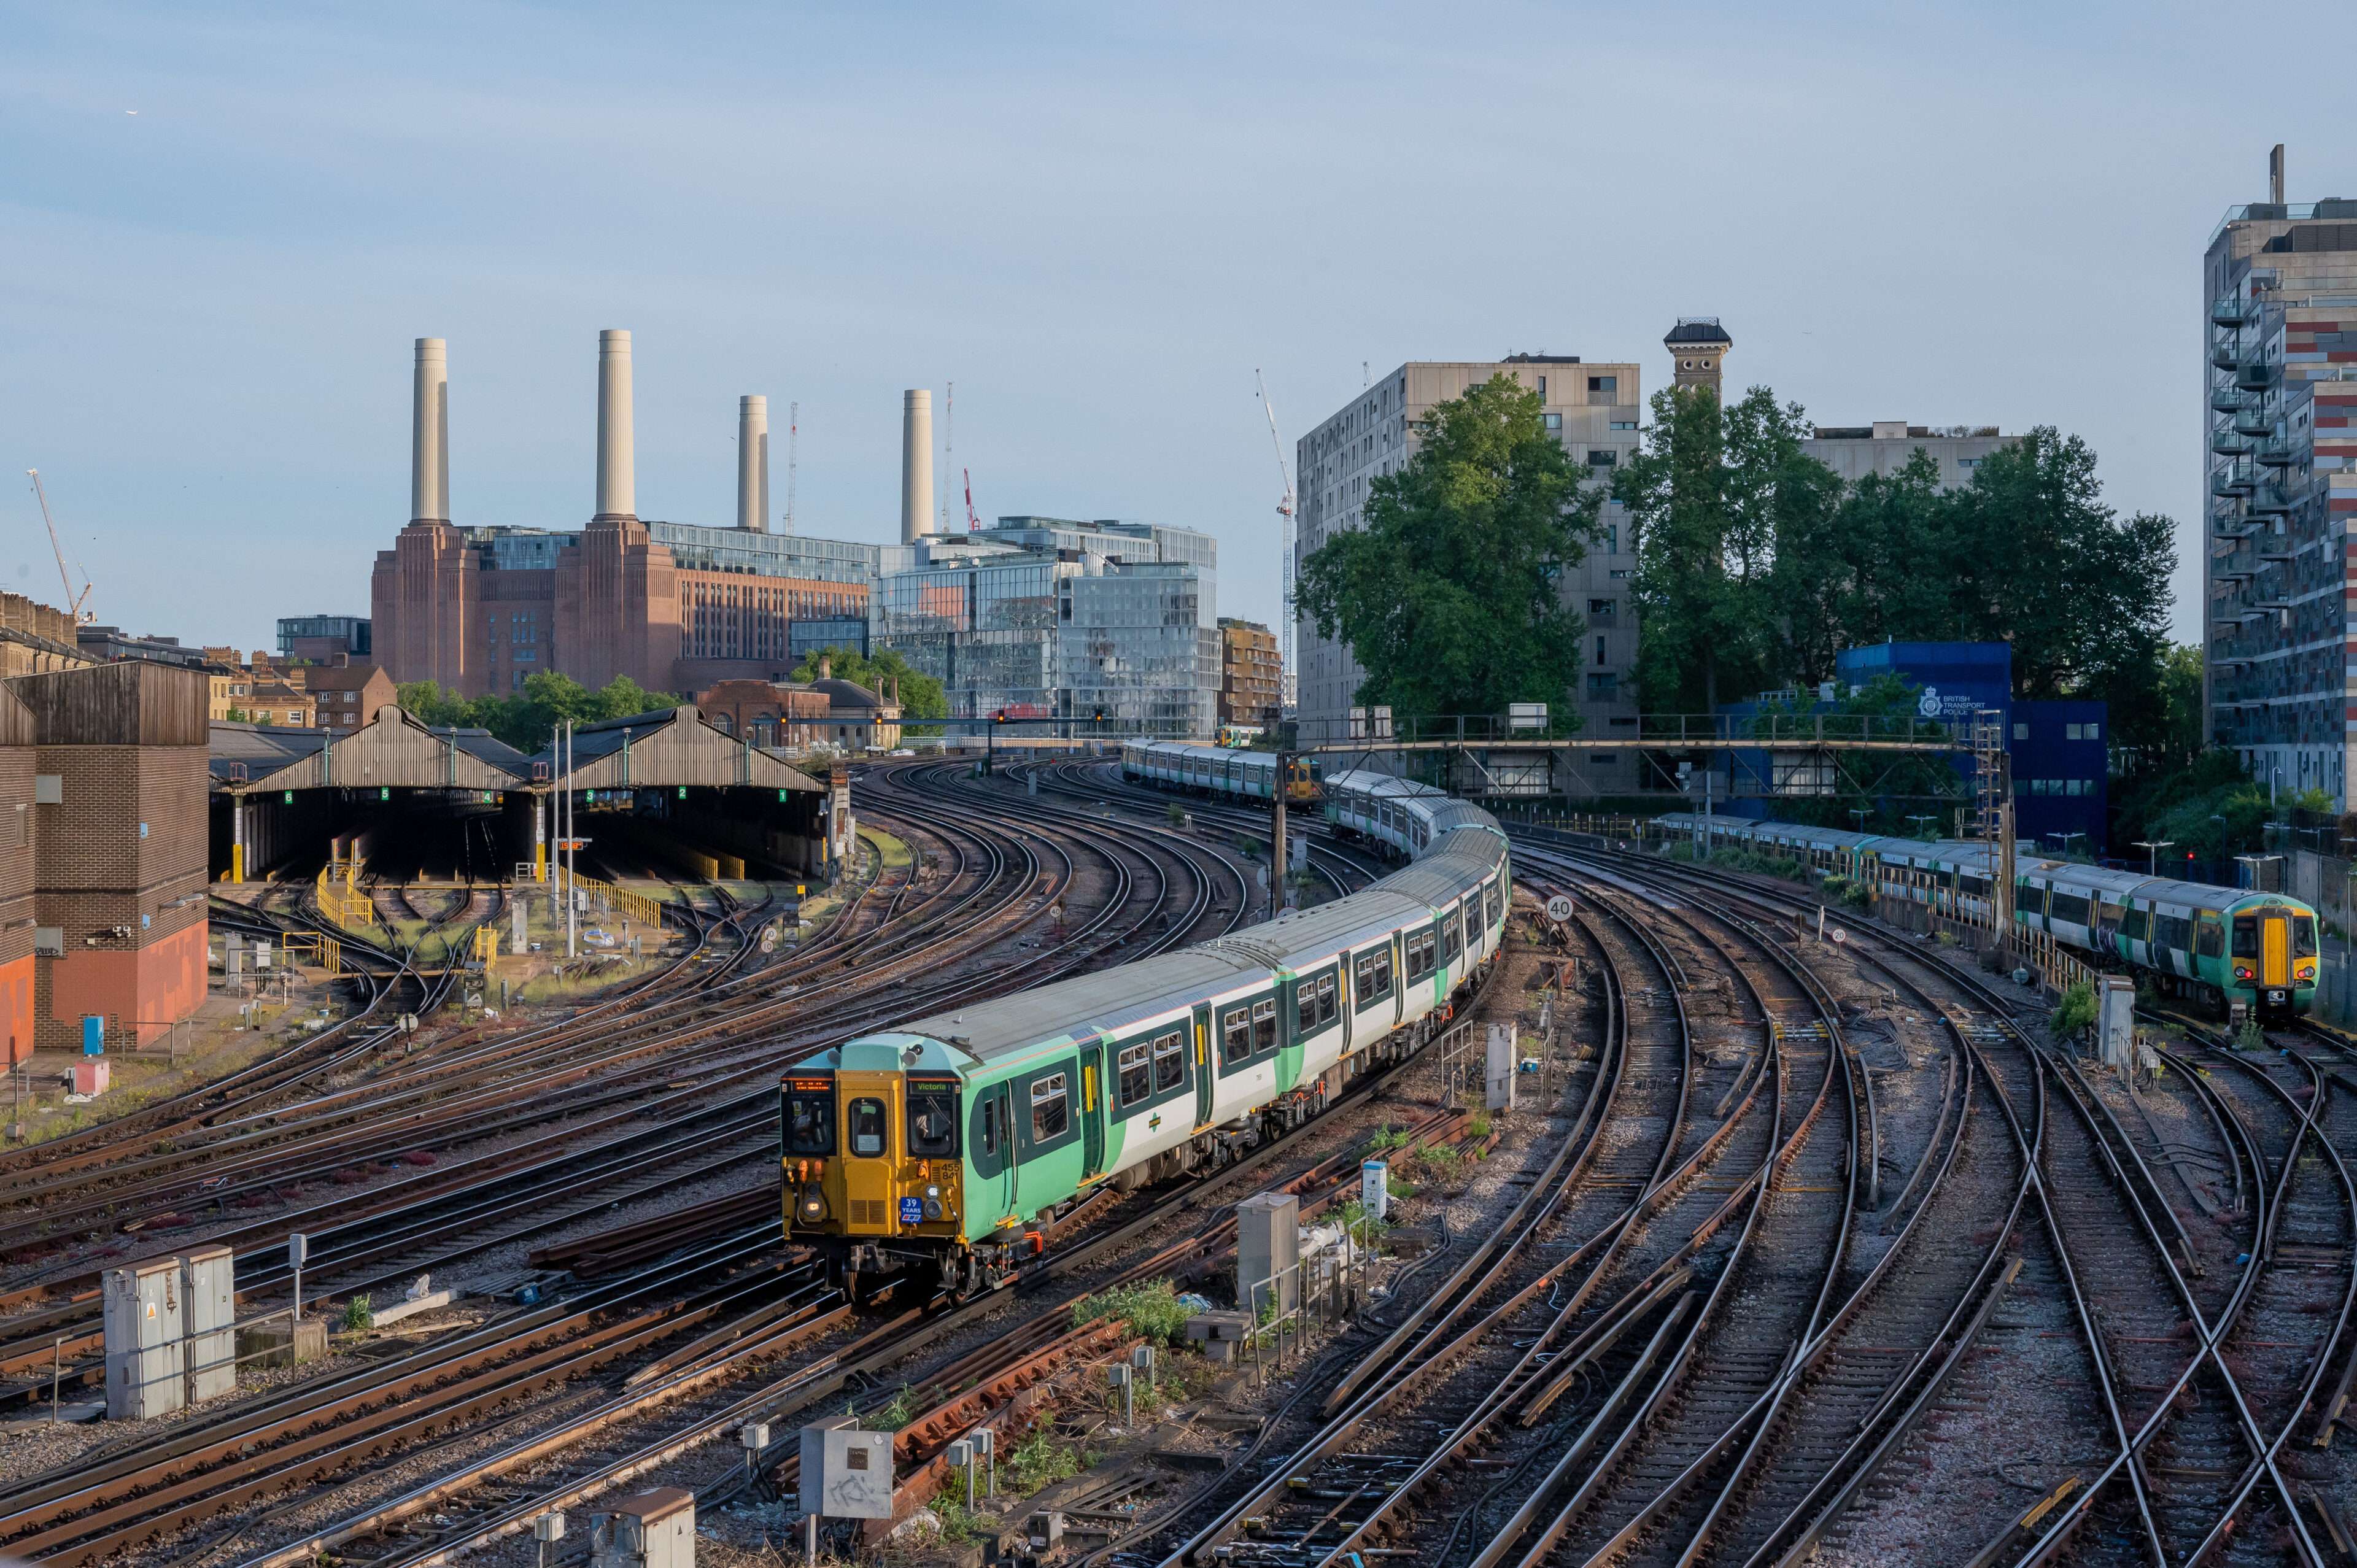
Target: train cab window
<point>2303,936</point>
<point>1265,1026</point>
<point>933,1121</point>
<point>1371,978</point>
<point>1051,1111</point>
<point>1419,955</point>
<point>865,1118</point>
<point>1235,1036</point>
<point>2210,937</point>
<point>1314,1002</point>
<point>2247,936</point>
<point>1137,1074</point>
<point>1169,1061</point>
<point>810,1121</point>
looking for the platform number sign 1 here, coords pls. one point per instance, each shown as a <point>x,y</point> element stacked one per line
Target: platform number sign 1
<point>1559,906</point>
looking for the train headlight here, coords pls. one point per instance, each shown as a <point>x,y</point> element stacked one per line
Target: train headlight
<point>2306,972</point>
<point>812,1207</point>
<point>932,1205</point>
<point>2242,973</point>
<point>932,1192</point>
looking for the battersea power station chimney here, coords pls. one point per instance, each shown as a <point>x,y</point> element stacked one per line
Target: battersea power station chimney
<point>617,486</point>
<point>429,435</point>
<point>753,464</point>
<point>916,465</point>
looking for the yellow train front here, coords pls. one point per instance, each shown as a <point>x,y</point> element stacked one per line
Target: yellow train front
<point>873,1160</point>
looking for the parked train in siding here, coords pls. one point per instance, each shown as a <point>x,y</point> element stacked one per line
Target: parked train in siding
<point>940,1147</point>
<point>2209,944</point>
<point>1218,771</point>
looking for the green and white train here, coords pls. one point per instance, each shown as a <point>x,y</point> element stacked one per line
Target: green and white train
<point>945,1144</point>
<point>2208,944</point>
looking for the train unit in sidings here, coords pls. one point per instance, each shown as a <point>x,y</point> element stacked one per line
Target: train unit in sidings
<point>2212,945</point>
<point>944,1145</point>
<point>1218,771</point>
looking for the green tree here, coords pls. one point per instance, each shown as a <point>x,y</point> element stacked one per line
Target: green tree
<point>1450,595</point>
<point>1872,567</point>
<point>2039,561</point>
<point>1888,789</point>
<point>1711,494</point>
<point>921,695</point>
<point>527,719</point>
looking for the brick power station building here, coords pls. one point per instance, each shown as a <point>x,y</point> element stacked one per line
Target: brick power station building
<point>675,607</point>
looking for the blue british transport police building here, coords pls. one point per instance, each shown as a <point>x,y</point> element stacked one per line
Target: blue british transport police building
<point>2058,747</point>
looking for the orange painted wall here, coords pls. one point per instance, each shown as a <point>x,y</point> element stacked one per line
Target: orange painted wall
<point>16,1008</point>
<point>151,986</point>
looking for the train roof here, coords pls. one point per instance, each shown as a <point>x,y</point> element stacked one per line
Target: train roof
<point>1384,786</point>
<point>1089,1005</point>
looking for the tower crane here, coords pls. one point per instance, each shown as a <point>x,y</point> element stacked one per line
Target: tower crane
<point>972,524</point>
<point>74,601</point>
<point>1285,507</point>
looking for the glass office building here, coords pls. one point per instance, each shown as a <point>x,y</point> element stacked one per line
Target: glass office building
<point>1046,620</point>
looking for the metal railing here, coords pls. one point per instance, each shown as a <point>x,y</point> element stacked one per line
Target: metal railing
<point>621,900</point>
<point>346,905</point>
<point>1764,729</point>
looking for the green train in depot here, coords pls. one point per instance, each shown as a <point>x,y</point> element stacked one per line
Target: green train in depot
<point>2209,945</point>
<point>940,1150</point>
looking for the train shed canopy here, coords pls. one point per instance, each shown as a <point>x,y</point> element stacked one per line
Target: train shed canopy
<point>671,746</point>
<point>392,750</point>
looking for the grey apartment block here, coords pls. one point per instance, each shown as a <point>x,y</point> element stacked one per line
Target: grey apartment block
<point>1593,407</point>
<point>1045,619</point>
<point>1889,444</point>
<point>2279,438</point>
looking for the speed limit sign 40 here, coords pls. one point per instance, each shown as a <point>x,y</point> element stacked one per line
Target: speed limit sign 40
<point>1559,906</point>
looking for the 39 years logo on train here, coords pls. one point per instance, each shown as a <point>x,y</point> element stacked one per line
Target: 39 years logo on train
<point>912,1210</point>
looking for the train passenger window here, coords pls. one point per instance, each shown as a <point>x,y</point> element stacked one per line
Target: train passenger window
<point>933,1121</point>
<point>1495,902</point>
<point>1265,1026</point>
<point>1235,1036</point>
<point>1419,955</point>
<point>2210,937</point>
<point>2174,933</point>
<point>2136,925</point>
<point>1317,999</point>
<point>1137,1074</point>
<point>866,1119</point>
<point>1452,940</point>
<point>1169,1061</point>
<point>810,1123</point>
<point>1049,1111</point>
<point>2069,906</point>
<point>2247,936</point>
<point>1472,922</point>
<point>2303,936</point>
<point>1374,977</point>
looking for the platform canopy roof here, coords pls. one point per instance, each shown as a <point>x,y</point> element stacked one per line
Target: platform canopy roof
<point>391,750</point>
<point>668,746</point>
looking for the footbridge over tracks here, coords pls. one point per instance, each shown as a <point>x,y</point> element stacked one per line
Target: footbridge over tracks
<point>666,780</point>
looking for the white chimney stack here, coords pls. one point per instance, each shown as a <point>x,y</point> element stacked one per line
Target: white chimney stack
<point>916,465</point>
<point>429,435</point>
<point>753,464</point>
<point>617,486</point>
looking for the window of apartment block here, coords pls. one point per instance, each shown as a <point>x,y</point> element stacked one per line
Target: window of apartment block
<point>1600,650</point>
<point>1552,421</point>
<point>1542,386</point>
<point>1624,424</point>
<point>1600,687</point>
<point>1601,457</point>
<point>1603,607</point>
<point>1603,389</point>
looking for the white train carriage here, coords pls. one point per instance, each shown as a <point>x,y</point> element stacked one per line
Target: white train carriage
<point>1399,814</point>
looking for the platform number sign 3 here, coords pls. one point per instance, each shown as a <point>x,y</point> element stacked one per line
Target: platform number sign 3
<point>1559,906</point>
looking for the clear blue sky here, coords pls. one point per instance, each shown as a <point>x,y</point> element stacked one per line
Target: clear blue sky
<point>1096,220</point>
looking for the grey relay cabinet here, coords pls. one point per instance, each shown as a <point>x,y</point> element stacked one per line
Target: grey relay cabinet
<point>208,1311</point>
<point>143,1319</point>
<point>653,1530</point>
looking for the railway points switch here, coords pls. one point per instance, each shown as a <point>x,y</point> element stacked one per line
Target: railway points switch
<point>653,1530</point>
<point>142,1316</point>
<point>1268,1251</point>
<point>846,1473</point>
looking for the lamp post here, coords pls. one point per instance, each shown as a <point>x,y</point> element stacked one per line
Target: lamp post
<point>2066,838</point>
<point>1920,820</point>
<point>1860,813</point>
<point>2156,845</point>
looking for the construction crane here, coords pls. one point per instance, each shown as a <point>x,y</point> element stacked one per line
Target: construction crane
<point>74,601</point>
<point>1285,510</point>
<point>972,524</point>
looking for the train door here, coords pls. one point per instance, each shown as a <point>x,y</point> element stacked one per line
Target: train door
<point>1202,1068</point>
<point>1093,1111</point>
<point>869,1143</point>
<point>2275,948</point>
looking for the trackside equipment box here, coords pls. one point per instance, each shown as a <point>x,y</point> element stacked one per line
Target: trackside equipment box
<point>143,1373</point>
<point>846,1473</point>
<point>208,1316</point>
<point>653,1530</point>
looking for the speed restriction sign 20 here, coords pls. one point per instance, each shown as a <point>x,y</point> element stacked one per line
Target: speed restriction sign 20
<point>1559,906</point>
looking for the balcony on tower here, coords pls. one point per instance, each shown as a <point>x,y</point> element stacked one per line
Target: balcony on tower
<point>2232,310</point>
<point>2255,420</point>
<point>2228,442</point>
<point>2229,399</point>
<point>2233,479</point>
<point>2269,500</point>
<point>2281,452</point>
<point>2257,373</point>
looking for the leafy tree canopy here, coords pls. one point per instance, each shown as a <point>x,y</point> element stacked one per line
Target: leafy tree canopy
<point>921,696</point>
<point>1450,596</point>
<point>526,719</point>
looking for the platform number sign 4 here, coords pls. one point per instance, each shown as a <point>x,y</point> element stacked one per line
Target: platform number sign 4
<point>1559,906</point>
